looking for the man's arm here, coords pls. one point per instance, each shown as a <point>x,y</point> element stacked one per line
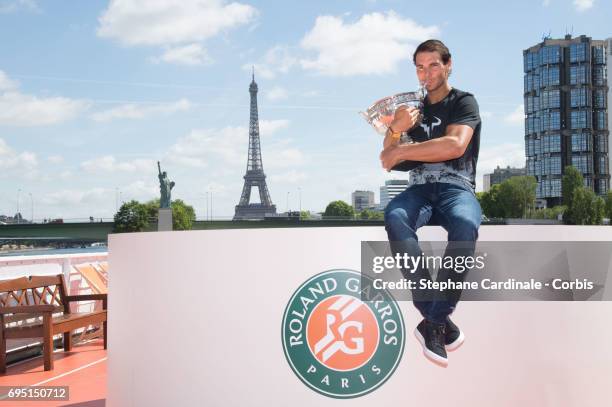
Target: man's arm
<point>390,140</point>
<point>448,147</point>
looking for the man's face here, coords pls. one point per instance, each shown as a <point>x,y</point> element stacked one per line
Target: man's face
<point>431,71</point>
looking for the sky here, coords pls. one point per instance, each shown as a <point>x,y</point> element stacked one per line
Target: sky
<point>94,93</point>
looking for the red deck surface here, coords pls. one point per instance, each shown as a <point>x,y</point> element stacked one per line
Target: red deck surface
<point>83,369</point>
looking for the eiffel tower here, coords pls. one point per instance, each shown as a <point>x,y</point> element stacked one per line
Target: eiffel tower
<point>254,173</point>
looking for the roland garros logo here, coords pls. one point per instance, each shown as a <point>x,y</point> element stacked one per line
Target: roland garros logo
<point>337,344</point>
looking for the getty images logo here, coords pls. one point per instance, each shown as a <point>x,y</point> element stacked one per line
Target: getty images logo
<point>337,344</point>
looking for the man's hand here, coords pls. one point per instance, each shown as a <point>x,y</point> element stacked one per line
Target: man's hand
<point>405,118</point>
<point>389,157</point>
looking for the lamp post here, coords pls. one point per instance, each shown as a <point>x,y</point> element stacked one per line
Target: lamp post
<point>32,208</point>
<point>18,196</point>
<point>300,195</point>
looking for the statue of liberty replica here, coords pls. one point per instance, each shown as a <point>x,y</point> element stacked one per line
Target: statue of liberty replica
<point>164,222</point>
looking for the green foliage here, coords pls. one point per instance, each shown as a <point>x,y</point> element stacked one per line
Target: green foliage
<point>510,199</point>
<point>131,217</point>
<point>338,209</point>
<point>515,195</point>
<point>152,208</point>
<point>587,208</point>
<point>547,213</point>
<point>489,202</point>
<point>584,207</point>
<point>368,214</point>
<point>608,208</point>
<point>136,217</point>
<point>183,215</point>
<point>572,179</point>
<point>305,215</point>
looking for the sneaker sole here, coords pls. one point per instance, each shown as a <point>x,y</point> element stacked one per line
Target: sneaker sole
<point>438,360</point>
<point>456,343</point>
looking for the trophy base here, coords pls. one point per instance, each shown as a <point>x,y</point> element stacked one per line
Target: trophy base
<point>406,166</point>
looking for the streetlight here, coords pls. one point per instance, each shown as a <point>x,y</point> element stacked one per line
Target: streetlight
<point>116,199</point>
<point>18,215</point>
<point>300,194</point>
<point>211,203</point>
<point>288,202</point>
<point>32,207</point>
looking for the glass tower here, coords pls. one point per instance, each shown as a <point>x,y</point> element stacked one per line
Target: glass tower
<point>566,119</point>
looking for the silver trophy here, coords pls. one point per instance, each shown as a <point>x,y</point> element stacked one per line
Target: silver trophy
<point>380,113</point>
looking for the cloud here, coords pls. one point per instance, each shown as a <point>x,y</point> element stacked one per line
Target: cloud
<point>14,163</point>
<point>18,5</point>
<point>167,22</point>
<point>69,197</point>
<point>133,111</point>
<point>284,158</point>
<point>269,127</point>
<point>583,5</point>
<point>109,164</point>
<point>277,93</point>
<point>277,60</point>
<point>374,44</point>
<point>289,177</point>
<point>18,109</point>
<point>6,83</point>
<point>190,55</point>
<point>201,145</point>
<point>517,116</point>
<point>224,148</point>
<point>55,159</point>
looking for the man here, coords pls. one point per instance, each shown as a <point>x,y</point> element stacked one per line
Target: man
<point>441,188</point>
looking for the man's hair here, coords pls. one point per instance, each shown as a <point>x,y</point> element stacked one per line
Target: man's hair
<point>433,46</point>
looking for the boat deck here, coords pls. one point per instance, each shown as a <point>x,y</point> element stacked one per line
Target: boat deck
<point>83,369</point>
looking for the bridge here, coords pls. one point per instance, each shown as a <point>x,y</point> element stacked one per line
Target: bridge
<point>88,232</point>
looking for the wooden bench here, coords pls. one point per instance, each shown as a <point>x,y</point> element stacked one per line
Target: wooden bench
<point>43,297</point>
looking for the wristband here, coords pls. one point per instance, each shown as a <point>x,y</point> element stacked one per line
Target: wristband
<point>394,135</point>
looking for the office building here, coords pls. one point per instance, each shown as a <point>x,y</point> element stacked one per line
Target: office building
<point>362,200</point>
<point>499,175</point>
<point>391,188</point>
<point>566,118</point>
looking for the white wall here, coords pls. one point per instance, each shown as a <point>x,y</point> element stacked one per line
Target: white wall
<point>195,318</point>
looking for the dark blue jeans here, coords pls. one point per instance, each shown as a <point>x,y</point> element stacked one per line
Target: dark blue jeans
<point>451,206</point>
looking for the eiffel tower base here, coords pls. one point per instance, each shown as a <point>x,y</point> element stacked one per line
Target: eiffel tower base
<point>253,211</point>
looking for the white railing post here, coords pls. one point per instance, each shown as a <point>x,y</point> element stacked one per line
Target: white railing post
<point>66,269</point>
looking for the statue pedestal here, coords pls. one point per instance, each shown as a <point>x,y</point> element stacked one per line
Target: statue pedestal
<point>164,222</point>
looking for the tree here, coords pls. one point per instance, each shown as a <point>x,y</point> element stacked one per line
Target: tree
<point>587,208</point>
<point>572,179</point>
<point>489,202</point>
<point>305,215</point>
<point>608,208</point>
<point>131,217</point>
<point>152,208</point>
<point>515,195</point>
<point>368,214</point>
<point>183,215</point>
<point>339,209</point>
